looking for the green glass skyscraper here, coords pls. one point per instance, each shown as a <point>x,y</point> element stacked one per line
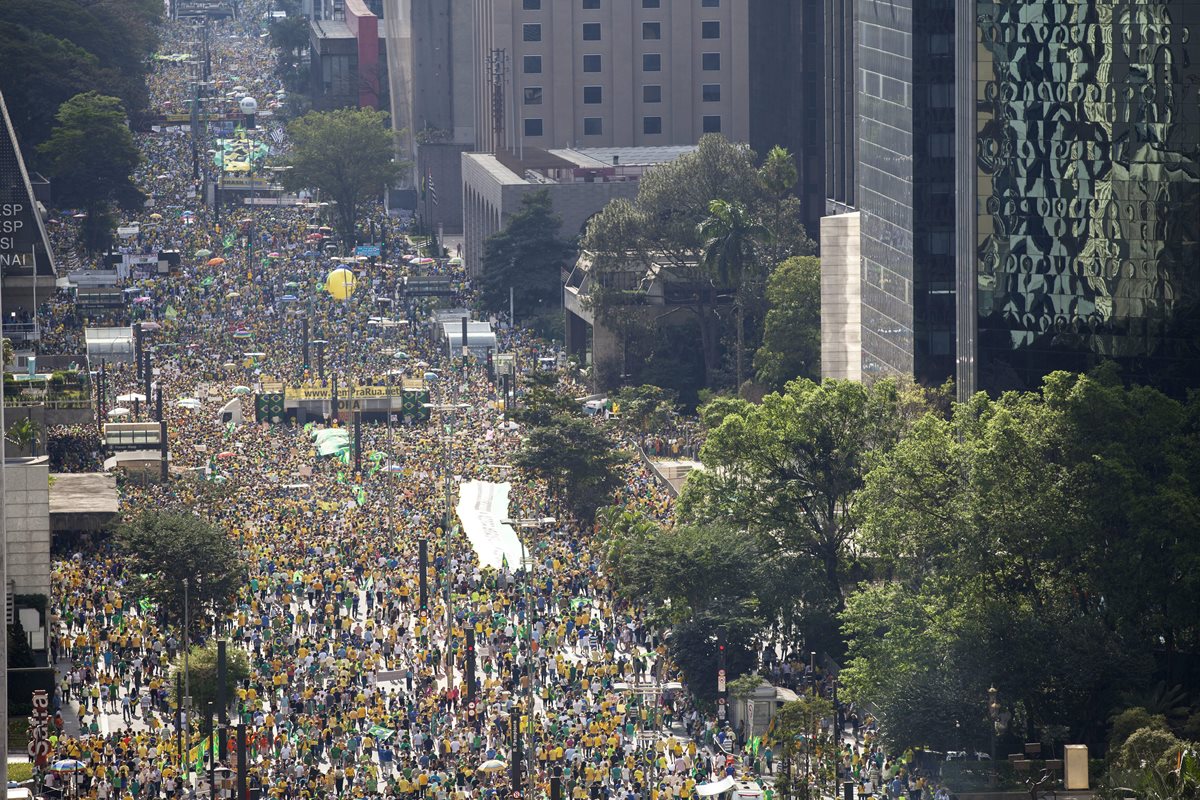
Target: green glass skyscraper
<point>1078,191</point>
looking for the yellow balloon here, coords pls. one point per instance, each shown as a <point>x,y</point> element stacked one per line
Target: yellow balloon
<point>340,283</point>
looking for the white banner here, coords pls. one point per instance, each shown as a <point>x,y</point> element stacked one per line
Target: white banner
<point>481,507</point>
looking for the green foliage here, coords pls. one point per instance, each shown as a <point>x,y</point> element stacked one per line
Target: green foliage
<point>662,226</point>
<point>9,356</point>
<point>1148,747</point>
<point>541,403</point>
<point>202,674</point>
<point>528,257</point>
<point>702,583</point>
<point>24,434</point>
<point>801,738</point>
<point>91,155</point>
<point>778,172</point>
<point>788,472</point>
<point>1032,542</point>
<point>645,408</point>
<point>791,346</point>
<point>1130,720</point>
<point>289,36</point>
<point>166,550</point>
<point>347,154</point>
<point>20,654</point>
<point>52,50</point>
<point>575,458</point>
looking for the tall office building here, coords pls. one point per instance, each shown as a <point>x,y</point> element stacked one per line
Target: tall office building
<point>787,67</point>
<point>891,159</point>
<point>1078,191</point>
<point>609,73</point>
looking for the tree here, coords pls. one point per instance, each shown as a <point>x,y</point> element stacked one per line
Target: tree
<point>9,355</point>
<point>660,227</point>
<point>526,257</point>
<point>91,155</point>
<point>791,345</point>
<point>167,551</point>
<point>290,37</point>
<point>24,434</point>
<point>576,459</point>
<point>645,408</point>
<point>701,582</point>
<point>789,471</point>
<point>202,674</point>
<point>347,154</point>
<point>807,753</point>
<point>729,234</point>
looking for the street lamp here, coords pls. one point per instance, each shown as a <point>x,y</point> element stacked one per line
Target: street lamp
<point>446,523</point>
<point>531,523</point>
<point>994,716</point>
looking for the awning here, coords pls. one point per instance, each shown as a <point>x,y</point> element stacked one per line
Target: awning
<point>710,789</point>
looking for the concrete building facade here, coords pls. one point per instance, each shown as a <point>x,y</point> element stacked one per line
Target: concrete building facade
<point>610,73</point>
<point>27,512</point>
<point>841,297</point>
<point>580,183</point>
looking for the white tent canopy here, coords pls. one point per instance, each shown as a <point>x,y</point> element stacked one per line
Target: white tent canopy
<point>716,787</point>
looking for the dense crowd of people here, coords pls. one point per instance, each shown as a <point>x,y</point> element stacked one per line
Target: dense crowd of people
<point>353,690</point>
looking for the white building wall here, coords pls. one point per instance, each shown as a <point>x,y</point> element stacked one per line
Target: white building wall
<point>27,511</point>
<point>841,297</point>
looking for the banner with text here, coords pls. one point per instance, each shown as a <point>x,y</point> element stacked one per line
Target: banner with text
<point>481,507</point>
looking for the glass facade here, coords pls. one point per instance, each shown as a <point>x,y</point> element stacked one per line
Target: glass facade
<point>905,177</point>
<point>1086,191</point>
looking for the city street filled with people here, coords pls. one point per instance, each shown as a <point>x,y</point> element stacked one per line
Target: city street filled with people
<point>353,689</point>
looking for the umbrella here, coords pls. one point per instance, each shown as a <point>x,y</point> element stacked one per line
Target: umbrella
<point>191,403</point>
<point>156,216</point>
<point>230,365</point>
<point>226,454</point>
<point>288,298</point>
<point>254,354</point>
<point>273,255</point>
<point>67,765</point>
<point>131,397</point>
<point>422,364</point>
<point>455,262</point>
<point>203,253</point>
<point>431,376</point>
<point>400,354</point>
<point>241,390</point>
<point>119,412</point>
<point>233,295</point>
<point>243,335</point>
<point>143,299</point>
<point>423,261</point>
<point>216,262</point>
<point>492,765</point>
<point>291,285</point>
<point>150,326</point>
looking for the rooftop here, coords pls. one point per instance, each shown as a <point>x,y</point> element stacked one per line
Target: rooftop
<point>576,165</point>
<point>623,156</point>
<point>82,501</point>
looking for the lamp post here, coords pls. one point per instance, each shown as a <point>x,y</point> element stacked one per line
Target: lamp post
<point>529,523</point>
<point>446,468</point>
<point>994,717</point>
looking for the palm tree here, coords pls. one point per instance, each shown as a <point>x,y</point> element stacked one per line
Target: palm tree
<point>24,435</point>
<point>730,234</point>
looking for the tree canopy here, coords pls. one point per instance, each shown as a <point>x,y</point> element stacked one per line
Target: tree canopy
<point>791,346</point>
<point>527,257</point>
<point>167,550</point>
<point>347,154</point>
<point>575,458</point>
<point>91,155</point>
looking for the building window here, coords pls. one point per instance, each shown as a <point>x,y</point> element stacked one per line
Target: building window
<point>710,62</point>
<point>710,29</point>
<point>941,95</point>
<point>532,65</point>
<point>591,4</point>
<point>533,95</point>
<point>531,32</point>
<point>651,30</point>
<point>941,145</point>
<point>591,63</point>
<point>710,3</point>
<point>532,5</point>
<point>651,125</point>
<point>649,3</point>
<point>591,31</point>
<point>593,126</point>
<point>652,93</point>
<point>711,92</point>
<point>712,124</point>
<point>651,62</point>
<point>593,95</point>
<point>533,127</point>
